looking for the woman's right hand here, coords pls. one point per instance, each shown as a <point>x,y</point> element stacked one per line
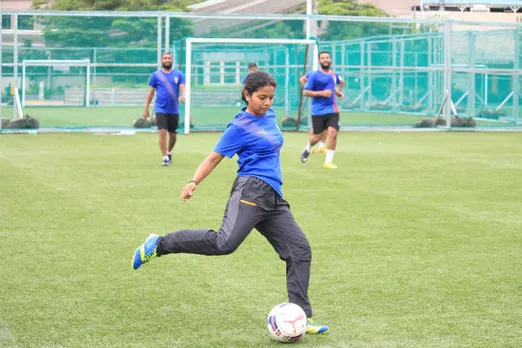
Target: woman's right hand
<point>188,190</point>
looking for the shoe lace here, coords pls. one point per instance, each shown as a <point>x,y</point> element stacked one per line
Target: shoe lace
<point>148,256</point>
<point>310,322</point>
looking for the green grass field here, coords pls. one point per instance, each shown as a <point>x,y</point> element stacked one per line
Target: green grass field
<point>202,117</point>
<point>417,242</point>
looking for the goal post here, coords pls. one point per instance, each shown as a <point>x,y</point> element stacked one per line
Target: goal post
<point>18,113</point>
<point>214,68</point>
<point>77,83</point>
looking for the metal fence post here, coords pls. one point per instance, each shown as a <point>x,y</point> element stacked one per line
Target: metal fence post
<point>447,74</point>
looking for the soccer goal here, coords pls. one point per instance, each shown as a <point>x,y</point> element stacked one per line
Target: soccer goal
<point>56,82</point>
<point>215,68</point>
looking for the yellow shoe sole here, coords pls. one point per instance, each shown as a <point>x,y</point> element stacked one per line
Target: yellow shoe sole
<point>320,150</point>
<point>330,166</point>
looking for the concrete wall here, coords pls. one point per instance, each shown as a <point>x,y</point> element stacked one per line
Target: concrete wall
<point>18,5</point>
<point>472,16</point>
<point>399,8</point>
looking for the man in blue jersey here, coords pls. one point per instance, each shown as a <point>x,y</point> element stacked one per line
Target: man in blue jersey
<point>251,68</point>
<point>256,199</point>
<point>322,140</point>
<point>168,83</point>
<point>325,113</point>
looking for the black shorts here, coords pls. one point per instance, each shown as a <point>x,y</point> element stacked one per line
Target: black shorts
<point>321,122</point>
<point>169,122</point>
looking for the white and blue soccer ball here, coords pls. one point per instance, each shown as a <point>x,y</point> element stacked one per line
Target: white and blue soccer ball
<point>286,322</point>
<point>238,104</point>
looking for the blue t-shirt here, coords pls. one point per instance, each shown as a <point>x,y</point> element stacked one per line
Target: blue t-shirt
<point>257,141</point>
<point>166,103</point>
<point>338,78</point>
<point>244,78</point>
<point>319,81</point>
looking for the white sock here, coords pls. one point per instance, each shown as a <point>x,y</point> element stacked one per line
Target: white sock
<point>169,153</point>
<point>321,144</point>
<point>308,147</point>
<point>329,156</point>
<point>166,158</point>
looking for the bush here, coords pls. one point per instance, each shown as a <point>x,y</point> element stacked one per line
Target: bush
<point>456,121</point>
<point>289,121</point>
<point>468,122</point>
<point>181,125</point>
<point>491,114</point>
<point>144,123</point>
<point>426,123</point>
<point>6,99</point>
<point>439,121</point>
<point>380,106</point>
<point>412,108</point>
<point>26,122</point>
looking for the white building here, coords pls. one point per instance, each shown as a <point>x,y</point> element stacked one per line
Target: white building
<point>503,11</point>
<point>27,29</point>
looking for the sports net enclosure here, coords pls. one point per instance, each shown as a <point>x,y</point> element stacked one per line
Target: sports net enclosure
<point>90,70</point>
<point>215,69</point>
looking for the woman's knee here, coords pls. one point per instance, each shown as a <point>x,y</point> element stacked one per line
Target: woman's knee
<point>226,249</point>
<point>303,253</point>
<point>225,246</point>
<point>297,253</point>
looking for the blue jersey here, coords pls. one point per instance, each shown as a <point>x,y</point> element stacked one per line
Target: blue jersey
<point>244,78</point>
<point>257,141</point>
<point>167,95</point>
<point>338,78</point>
<point>319,81</point>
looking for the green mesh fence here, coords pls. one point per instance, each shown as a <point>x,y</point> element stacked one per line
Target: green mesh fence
<point>396,73</point>
<point>217,72</point>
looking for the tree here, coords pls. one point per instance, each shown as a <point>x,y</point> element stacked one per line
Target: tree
<point>338,30</point>
<point>131,34</point>
<point>63,31</point>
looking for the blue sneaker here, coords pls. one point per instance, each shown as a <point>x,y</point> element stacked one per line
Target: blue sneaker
<point>314,329</point>
<point>146,251</point>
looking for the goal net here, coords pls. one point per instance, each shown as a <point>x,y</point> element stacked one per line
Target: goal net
<point>215,68</point>
<point>56,82</point>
